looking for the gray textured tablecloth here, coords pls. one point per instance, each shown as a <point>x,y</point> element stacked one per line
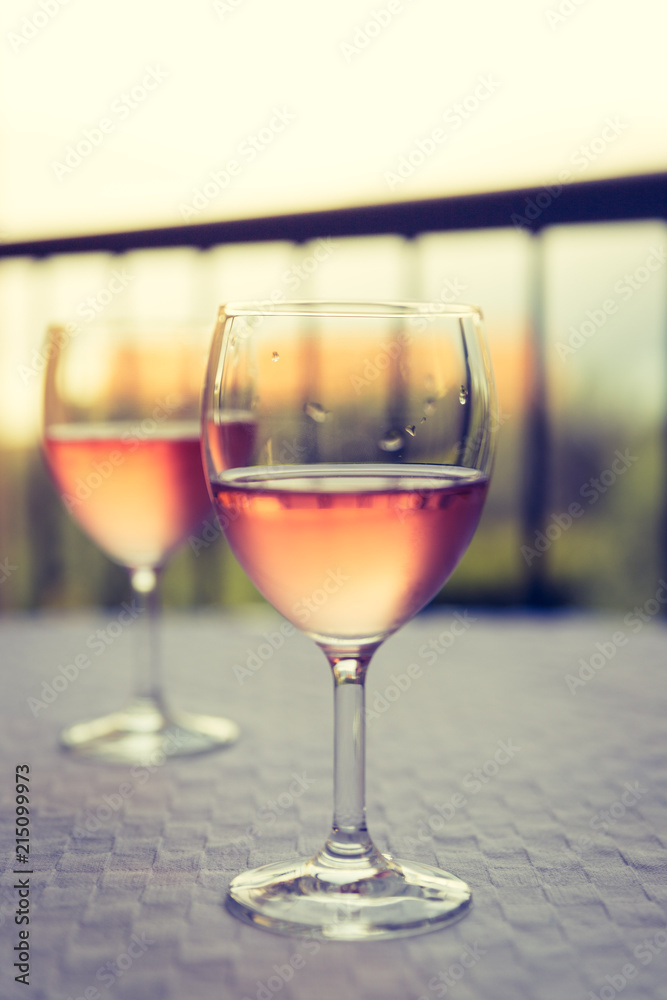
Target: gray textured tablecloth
<point>526,755</point>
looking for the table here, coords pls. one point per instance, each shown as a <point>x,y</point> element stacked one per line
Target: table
<point>524,753</point>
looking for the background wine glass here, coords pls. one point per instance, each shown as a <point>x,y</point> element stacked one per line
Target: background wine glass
<point>371,455</point>
<point>122,441</point>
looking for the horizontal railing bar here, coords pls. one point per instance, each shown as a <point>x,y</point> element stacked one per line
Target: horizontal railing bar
<point>535,208</point>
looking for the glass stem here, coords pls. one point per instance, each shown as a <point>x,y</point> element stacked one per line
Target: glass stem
<point>349,844</point>
<point>146,603</point>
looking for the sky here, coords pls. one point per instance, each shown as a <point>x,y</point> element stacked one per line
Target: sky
<point>116,114</point>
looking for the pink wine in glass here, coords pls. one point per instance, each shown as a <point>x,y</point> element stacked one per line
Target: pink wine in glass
<point>137,495</point>
<point>347,551</point>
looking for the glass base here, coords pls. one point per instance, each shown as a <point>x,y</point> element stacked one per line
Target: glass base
<point>141,733</point>
<point>308,899</point>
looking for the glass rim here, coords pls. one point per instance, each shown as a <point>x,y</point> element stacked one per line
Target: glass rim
<point>348,309</point>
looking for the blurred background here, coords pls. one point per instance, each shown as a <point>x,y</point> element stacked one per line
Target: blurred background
<point>122,117</point>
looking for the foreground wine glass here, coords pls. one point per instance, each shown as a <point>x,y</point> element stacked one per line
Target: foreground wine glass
<point>348,449</point>
<point>121,438</point>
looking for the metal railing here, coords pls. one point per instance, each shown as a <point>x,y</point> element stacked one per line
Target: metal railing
<point>532,209</point>
<point>637,198</point>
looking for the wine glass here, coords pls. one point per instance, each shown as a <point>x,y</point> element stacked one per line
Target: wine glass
<point>372,444</point>
<point>121,439</point>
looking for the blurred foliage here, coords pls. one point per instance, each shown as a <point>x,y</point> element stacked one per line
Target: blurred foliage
<point>608,557</point>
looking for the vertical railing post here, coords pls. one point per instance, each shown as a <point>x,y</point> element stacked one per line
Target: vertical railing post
<point>536,458</point>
